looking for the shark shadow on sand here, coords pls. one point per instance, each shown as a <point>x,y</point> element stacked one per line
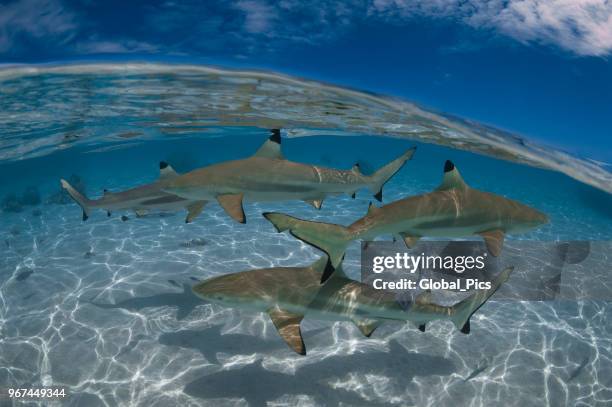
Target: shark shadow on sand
<point>185,302</point>
<point>211,341</point>
<point>257,385</point>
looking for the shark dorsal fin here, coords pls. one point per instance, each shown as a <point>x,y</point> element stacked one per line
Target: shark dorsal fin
<point>288,326</point>
<point>272,147</point>
<point>166,171</point>
<point>356,169</point>
<point>372,209</point>
<point>452,178</point>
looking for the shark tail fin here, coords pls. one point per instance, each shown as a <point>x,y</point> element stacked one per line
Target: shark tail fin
<point>384,174</point>
<point>328,237</point>
<point>462,311</point>
<point>83,202</point>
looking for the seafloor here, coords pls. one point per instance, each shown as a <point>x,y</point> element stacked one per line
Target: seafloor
<point>105,308</point>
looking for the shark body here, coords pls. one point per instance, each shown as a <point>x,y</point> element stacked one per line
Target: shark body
<point>452,210</point>
<point>268,176</point>
<point>141,199</point>
<point>289,294</point>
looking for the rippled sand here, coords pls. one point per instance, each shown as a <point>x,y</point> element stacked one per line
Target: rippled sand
<point>105,307</point>
<point>107,311</point>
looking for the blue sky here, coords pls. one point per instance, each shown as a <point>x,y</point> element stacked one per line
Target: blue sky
<point>539,68</point>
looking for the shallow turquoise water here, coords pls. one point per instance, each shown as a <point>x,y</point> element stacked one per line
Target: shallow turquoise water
<point>104,306</point>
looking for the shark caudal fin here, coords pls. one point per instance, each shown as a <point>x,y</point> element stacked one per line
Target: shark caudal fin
<point>384,174</point>
<point>330,238</point>
<point>83,202</point>
<point>462,311</point>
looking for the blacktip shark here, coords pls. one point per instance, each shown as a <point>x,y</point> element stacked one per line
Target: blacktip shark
<point>268,176</point>
<point>452,210</point>
<point>141,199</point>
<point>289,294</point>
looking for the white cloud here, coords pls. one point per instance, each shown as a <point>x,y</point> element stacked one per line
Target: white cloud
<point>258,16</point>
<point>583,27</point>
<point>36,19</point>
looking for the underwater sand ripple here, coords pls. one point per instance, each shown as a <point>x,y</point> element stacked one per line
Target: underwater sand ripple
<point>111,326</point>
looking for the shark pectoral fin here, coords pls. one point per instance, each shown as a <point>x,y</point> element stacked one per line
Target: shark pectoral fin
<point>288,326</point>
<point>452,178</point>
<point>367,326</point>
<point>317,203</point>
<point>421,327</point>
<point>410,241</point>
<point>140,212</point>
<point>232,205</point>
<point>166,171</point>
<point>494,239</point>
<point>194,210</point>
<point>272,147</point>
<point>462,311</point>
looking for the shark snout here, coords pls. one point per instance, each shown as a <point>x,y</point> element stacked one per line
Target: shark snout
<point>538,218</point>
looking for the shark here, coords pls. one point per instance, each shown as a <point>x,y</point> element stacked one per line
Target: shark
<point>141,199</point>
<point>268,176</point>
<point>452,210</point>
<point>290,294</point>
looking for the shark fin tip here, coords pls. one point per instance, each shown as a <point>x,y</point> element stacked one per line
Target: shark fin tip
<point>449,166</point>
<point>85,217</point>
<point>276,136</point>
<point>378,196</point>
<point>422,327</point>
<point>162,165</point>
<point>466,327</point>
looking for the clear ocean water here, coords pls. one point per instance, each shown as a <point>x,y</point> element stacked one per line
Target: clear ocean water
<point>105,306</point>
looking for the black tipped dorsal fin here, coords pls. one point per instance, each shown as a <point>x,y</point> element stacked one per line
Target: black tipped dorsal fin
<point>356,169</point>
<point>272,147</point>
<point>166,171</point>
<point>452,178</point>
